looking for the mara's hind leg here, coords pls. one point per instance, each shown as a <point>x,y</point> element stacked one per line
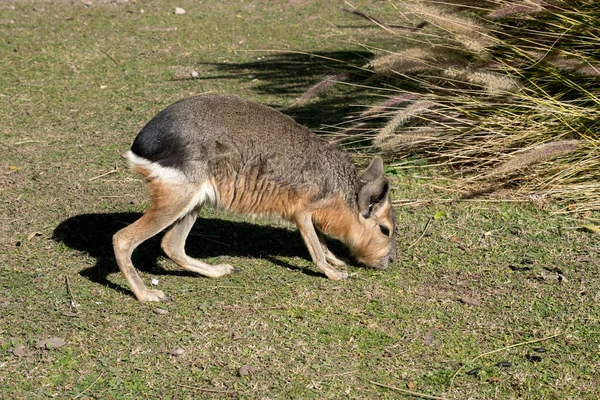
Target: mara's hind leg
<point>173,244</point>
<point>169,203</point>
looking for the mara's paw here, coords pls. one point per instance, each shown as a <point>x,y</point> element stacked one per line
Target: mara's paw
<point>336,275</point>
<point>152,295</point>
<point>224,269</point>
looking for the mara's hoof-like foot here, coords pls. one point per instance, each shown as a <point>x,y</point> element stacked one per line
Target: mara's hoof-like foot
<point>210,271</point>
<point>336,275</point>
<point>224,269</point>
<point>154,295</point>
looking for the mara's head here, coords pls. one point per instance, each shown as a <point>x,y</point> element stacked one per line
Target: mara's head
<point>374,244</point>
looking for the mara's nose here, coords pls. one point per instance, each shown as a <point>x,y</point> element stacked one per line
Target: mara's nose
<point>392,259</point>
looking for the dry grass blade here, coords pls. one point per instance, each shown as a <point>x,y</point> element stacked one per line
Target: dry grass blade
<point>512,346</point>
<point>581,67</point>
<point>507,96</point>
<point>409,392</point>
<point>416,60</point>
<point>322,86</point>
<point>466,31</point>
<point>536,155</point>
<point>523,8</point>
<point>207,390</point>
<point>400,118</point>
<point>384,106</point>
<point>409,138</point>
<point>493,83</point>
<point>377,22</point>
<point>89,387</point>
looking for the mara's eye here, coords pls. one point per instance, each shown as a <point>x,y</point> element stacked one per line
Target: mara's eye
<point>385,230</point>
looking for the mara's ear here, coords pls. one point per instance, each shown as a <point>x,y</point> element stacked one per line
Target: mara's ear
<point>371,194</point>
<point>374,172</point>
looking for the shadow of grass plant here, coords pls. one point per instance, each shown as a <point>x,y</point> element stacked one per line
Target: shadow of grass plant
<point>505,94</point>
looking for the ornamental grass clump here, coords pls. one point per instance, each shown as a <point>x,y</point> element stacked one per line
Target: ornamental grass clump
<point>505,93</point>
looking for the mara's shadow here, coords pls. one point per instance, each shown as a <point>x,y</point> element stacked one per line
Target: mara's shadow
<point>290,75</point>
<point>91,234</point>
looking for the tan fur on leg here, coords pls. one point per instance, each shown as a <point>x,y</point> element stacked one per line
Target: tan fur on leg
<point>169,203</point>
<point>315,248</point>
<point>329,256</point>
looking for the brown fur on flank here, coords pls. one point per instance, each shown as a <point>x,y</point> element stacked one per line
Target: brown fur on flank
<point>248,158</point>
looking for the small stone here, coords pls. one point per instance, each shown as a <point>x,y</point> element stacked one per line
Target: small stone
<point>19,351</point>
<point>160,311</point>
<point>179,11</point>
<point>51,343</point>
<point>194,74</point>
<point>176,352</point>
<point>236,336</point>
<point>247,370</point>
<point>470,301</point>
<point>154,282</point>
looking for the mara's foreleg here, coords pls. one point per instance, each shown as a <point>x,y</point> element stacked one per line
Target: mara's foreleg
<point>329,256</point>
<point>316,248</point>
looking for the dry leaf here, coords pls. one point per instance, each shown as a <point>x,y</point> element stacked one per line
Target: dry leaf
<point>411,385</point>
<point>33,234</point>
<point>591,228</point>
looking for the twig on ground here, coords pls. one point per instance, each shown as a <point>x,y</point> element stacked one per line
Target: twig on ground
<point>410,392</point>
<point>254,308</point>
<point>70,292</point>
<point>379,23</point>
<point>27,141</point>
<point>208,390</point>
<point>341,373</point>
<point>104,174</point>
<point>422,234</point>
<point>89,387</point>
<point>499,350</point>
<point>109,56</point>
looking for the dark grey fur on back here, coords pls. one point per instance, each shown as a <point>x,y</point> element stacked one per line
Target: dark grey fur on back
<point>235,136</point>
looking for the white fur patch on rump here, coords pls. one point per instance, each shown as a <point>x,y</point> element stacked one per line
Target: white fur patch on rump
<point>157,171</point>
<point>206,192</point>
